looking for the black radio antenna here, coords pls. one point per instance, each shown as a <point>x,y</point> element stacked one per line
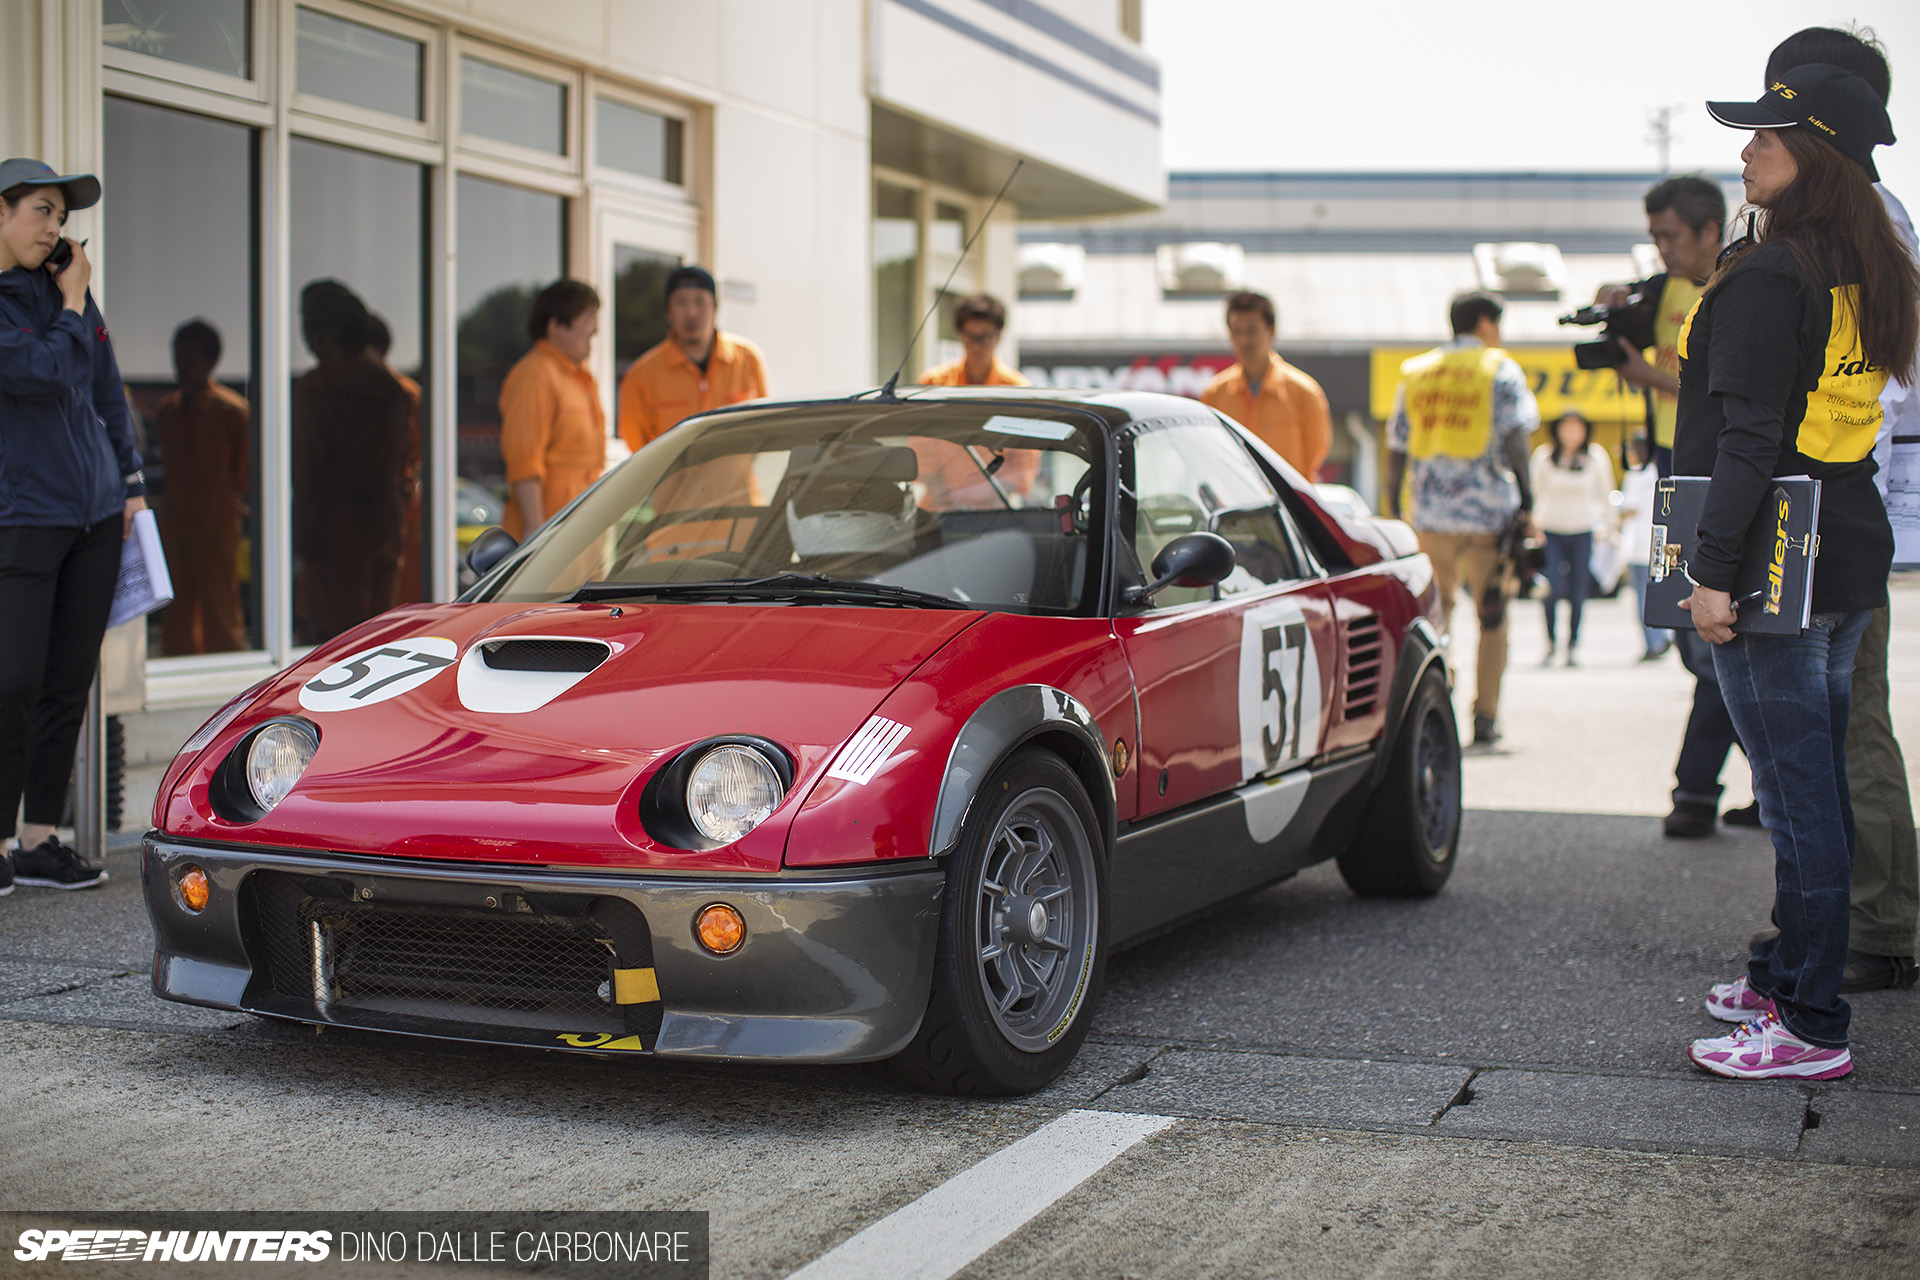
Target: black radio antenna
<point>886,392</point>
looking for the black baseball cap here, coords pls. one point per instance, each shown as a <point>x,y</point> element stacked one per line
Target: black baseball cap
<point>690,277</point>
<point>1836,105</point>
<point>82,189</point>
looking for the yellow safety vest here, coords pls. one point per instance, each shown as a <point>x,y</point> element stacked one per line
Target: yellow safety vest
<point>1676,304</point>
<point>1449,401</point>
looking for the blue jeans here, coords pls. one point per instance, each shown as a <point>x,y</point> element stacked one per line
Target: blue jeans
<point>1568,573</point>
<point>1657,640</point>
<point>1709,735</point>
<point>1789,697</point>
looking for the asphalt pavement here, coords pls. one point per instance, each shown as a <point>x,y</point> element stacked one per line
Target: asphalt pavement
<point>1302,1083</point>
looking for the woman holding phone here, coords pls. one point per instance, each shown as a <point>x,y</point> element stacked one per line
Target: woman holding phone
<point>1782,362</point>
<point>69,484</point>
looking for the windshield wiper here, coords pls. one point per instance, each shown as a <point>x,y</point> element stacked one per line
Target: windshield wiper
<point>780,586</point>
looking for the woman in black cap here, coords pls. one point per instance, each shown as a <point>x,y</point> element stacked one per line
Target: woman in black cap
<point>69,484</point>
<point>1781,367</point>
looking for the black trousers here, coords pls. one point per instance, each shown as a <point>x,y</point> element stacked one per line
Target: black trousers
<point>56,588</point>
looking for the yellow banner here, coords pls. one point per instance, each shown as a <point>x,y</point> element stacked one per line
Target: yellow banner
<point>1557,384</point>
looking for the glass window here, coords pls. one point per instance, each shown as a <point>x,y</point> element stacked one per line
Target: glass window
<point>511,244</point>
<point>360,310</point>
<point>634,140</point>
<point>639,303</point>
<point>215,35</point>
<point>1262,554</point>
<point>1185,477</point>
<point>359,65</point>
<point>896,253</point>
<point>512,106</point>
<point>182,215</point>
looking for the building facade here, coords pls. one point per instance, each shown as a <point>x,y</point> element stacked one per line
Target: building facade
<point>357,199</point>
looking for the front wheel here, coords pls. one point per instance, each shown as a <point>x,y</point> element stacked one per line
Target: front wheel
<point>1407,840</point>
<point>1022,946</point>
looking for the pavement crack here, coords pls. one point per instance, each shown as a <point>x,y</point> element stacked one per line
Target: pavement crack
<point>1809,1119</point>
<point>1138,1073</point>
<point>1463,1098</point>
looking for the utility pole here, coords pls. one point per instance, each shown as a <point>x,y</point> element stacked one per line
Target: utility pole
<point>1660,133</point>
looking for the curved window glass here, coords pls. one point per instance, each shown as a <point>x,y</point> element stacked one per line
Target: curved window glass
<point>956,505</point>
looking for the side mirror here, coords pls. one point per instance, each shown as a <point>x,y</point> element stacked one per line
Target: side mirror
<point>1190,560</point>
<point>491,547</point>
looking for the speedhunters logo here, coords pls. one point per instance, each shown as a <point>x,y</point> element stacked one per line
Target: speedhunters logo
<point>240,1244</point>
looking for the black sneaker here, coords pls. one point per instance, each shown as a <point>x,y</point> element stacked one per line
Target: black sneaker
<point>1690,820</point>
<point>1485,731</point>
<point>6,874</point>
<point>1866,972</point>
<point>54,865</point>
<point>1745,816</point>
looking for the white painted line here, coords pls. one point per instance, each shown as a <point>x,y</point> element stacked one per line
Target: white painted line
<point>968,1214</point>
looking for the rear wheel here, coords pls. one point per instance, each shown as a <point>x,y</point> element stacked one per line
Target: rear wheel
<point>1407,840</point>
<point>1022,937</point>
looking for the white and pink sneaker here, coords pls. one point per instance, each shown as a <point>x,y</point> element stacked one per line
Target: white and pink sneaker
<point>1737,1002</point>
<point>1764,1049</point>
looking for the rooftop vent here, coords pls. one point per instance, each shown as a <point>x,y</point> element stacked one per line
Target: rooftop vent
<point>1521,268</point>
<point>1202,266</point>
<point>1051,270</point>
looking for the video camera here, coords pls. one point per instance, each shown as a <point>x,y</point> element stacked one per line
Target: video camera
<point>1632,320</point>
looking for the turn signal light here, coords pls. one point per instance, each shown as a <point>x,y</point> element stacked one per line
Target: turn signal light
<point>720,929</point>
<point>193,889</point>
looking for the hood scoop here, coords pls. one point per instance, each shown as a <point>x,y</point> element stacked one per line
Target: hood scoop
<point>524,673</point>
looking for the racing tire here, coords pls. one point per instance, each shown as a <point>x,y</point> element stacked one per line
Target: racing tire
<point>1410,832</point>
<point>1022,951</point>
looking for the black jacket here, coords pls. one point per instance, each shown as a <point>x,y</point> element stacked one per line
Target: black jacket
<point>66,438</point>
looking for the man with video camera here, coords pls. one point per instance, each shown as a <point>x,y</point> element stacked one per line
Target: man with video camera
<point>1685,218</point>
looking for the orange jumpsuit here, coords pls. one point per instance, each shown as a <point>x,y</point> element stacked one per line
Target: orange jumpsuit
<point>552,429</point>
<point>664,387</point>
<point>1290,413</point>
<point>206,444</point>
<point>951,480</point>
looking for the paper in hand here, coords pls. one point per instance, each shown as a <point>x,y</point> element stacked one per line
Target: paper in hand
<point>145,584</point>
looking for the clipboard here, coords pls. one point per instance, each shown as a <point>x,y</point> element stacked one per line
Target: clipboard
<point>1773,587</point>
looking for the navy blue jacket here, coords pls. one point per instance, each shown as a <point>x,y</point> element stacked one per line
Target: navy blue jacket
<point>66,440</point>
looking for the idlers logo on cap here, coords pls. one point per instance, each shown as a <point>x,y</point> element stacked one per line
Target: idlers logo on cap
<point>1838,105</point>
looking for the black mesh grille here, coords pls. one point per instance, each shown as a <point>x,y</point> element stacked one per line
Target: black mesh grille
<point>543,655</point>
<point>522,967</point>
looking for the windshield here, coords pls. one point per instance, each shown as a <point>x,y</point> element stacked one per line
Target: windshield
<point>989,506</point>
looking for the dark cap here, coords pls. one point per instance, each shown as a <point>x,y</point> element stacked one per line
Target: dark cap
<point>690,278</point>
<point>1831,103</point>
<point>82,189</point>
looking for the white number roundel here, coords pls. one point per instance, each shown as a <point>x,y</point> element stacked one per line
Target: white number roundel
<point>375,675</point>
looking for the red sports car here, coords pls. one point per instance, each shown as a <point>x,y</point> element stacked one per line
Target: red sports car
<point>825,731</point>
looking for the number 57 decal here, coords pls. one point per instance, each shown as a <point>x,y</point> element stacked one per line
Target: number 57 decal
<point>375,675</point>
<point>1279,689</point>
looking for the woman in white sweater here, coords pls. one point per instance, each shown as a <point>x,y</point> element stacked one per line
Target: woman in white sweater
<point>1572,481</point>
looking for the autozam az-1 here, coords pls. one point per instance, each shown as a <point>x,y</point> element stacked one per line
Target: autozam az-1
<point>827,731</point>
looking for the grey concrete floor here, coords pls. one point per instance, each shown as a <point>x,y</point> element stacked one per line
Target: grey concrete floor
<point>1488,1083</point>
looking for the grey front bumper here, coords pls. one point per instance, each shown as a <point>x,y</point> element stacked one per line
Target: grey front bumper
<point>832,970</point>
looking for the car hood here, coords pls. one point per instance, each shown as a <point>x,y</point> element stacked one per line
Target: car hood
<point>460,766</point>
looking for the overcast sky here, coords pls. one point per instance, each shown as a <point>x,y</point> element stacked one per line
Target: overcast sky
<point>1493,84</point>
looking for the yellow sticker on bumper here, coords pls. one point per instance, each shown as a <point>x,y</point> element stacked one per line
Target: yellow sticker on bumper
<point>635,986</point>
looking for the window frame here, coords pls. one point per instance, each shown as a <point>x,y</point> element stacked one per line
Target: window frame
<point>262,30</point>
<point>470,147</point>
<point>681,192</point>
<point>331,120</point>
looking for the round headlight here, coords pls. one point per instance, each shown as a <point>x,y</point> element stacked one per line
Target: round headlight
<point>731,791</point>
<point>279,754</point>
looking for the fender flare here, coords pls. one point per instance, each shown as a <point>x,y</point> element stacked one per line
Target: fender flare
<point>1421,649</point>
<point>1003,723</point>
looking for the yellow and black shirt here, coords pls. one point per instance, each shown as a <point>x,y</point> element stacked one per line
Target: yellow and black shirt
<point>1773,382</point>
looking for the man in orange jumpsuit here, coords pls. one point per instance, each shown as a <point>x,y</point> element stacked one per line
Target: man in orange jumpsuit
<point>553,433</point>
<point>1265,394</point>
<point>206,443</point>
<point>949,478</point>
<point>697,368</point>
<point>407,583</point>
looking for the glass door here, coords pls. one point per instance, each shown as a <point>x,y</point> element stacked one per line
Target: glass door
<point>634,253</point>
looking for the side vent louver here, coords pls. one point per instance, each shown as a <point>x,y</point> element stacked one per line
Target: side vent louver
<point>1361,694</point>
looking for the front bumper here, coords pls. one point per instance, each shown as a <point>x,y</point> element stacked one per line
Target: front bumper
<point>832,969</point>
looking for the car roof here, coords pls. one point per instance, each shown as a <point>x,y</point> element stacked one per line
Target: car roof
<point>1115,409</point>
